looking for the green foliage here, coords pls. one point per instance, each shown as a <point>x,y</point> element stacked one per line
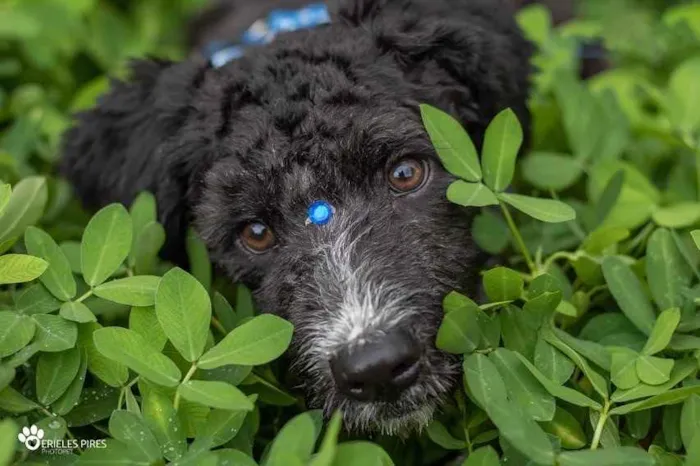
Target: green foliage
<point>585,349</point>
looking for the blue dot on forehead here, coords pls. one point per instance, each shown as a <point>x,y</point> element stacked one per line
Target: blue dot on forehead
<point>320,213</point>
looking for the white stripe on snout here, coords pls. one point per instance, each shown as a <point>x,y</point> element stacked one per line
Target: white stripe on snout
<point>366,304</point>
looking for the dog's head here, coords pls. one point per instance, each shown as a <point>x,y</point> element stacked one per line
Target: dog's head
<point>332,115</point>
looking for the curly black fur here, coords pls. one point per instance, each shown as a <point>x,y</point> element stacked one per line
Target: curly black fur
<point>319,113</point>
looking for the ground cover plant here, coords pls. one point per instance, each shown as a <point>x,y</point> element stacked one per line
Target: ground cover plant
<point>583,348</point>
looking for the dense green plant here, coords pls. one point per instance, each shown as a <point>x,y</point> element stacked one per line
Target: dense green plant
<point>584,349</point>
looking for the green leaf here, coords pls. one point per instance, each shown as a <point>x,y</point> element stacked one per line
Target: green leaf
<point>519,329</point>
<point>183,308</point>
<point>484,381</point>
<point>666,398</point>
<point>502,142</point>
<point>7,375</point>
<point>16,331</point>
<point>329,445</point>
<point>609,197</point>
<point>654,371</point>
<point>455,301</point>
<point>70,398</point>
<point>620,456</point>
<point>146,248</point>
<point>220,427</point>
<point>131,349</point>
<point>5,193</point>
<point>629,293</point>
<point>502,284</point>
<point>54,374</point>
<point>131,429</point>
<point>660,337</point>
<point>487,387</point>
<point>215,394</point>
<point>361,453</point>
<point>690,420</point>
<point>20,268</point>
<point>470,194</point>
<point>224,312</point>
<point>13,401</point>
<point>490,232</point>
<point>551,171</point>
<point>681,369</point>
<point>296,439</point>
<point>439,434</point>
<point>590,350</point>
<point>597,381</point>
<point>36,299</point>
<point>683,97</point>
<point>131,291</point>
<point>452,143</point>
<point>162,419</point>
<point>143,320</point>
<point>258,341</point>
<point>8,438</point>
<point>623,370</point>
<point>666,270</point>
<point>523,388</point>
<point>485,456</point>
<point>638,424</point>
<point>553,364</point>
<point>567,429</point>
<point>58,277</point>
<point>25,207</point>
<point>77,312</point>
<point>198,256</point>
<point>95,405</point>
<point>108,371</point>
<point>54,333</point>
<point>143,212</point>
<point>671,426</point>
<point>459,331</point>
<point>677,216</point>
<point>106,243</point>
<point>545,210</point>
<point>695,234</point>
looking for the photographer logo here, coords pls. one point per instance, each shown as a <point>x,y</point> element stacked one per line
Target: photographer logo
<point>31,437</point>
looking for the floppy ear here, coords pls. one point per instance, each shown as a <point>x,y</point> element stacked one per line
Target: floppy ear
<point>120,147</point>
<point>467,57</point>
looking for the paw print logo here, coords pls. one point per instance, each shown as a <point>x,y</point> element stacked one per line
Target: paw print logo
<point>31,437</point>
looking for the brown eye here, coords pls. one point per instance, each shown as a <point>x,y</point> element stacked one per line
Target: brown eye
<point>407,175</point>
<point>257,237</point>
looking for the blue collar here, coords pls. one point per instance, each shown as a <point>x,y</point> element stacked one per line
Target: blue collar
<point>264,31</point>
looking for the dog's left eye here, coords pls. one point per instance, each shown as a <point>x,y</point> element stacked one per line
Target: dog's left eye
<point>407,175</point>
<point>258,237</point>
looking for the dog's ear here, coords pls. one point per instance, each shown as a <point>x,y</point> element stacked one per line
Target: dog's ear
<point>355,12</point>
<point>120,147</point>
<point>467,57</point>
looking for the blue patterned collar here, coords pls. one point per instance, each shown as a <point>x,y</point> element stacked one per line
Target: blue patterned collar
<point>264,31</point>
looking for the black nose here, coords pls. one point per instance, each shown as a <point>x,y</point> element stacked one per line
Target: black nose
<point>380,369</point>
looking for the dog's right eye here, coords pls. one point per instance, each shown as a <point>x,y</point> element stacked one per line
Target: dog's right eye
<point>257,237</point>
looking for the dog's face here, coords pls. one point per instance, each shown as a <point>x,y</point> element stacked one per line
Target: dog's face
<point>325,115</point>
<point>364,291</point>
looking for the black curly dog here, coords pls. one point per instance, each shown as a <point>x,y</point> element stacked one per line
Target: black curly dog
<point>329,113</point>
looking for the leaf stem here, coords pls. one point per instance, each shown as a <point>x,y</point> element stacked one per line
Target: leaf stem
<point>601,425</point>
<point>188,376</point>
<point>84,297</point>
<point>518,237</point>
